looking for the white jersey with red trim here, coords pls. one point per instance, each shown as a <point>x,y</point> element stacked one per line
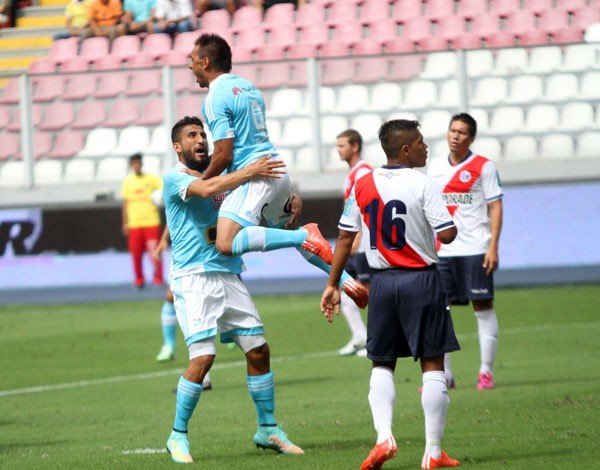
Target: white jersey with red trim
<point>467,188</point>
<point>356,172</point>
<point>398,209</point>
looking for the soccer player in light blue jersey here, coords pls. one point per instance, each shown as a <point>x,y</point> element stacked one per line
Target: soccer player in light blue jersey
<point>209,297</point>
<point>234,110</point>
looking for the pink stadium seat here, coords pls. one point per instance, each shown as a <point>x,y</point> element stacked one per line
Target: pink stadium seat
<point>241,54</point>
<point>80,86</point>
<point>94,48</point>
<point>122,113</point>
<point>349,32</point>
<point>284,35</point>
<point>144,82</point>
<point>336,72</point>
<point>48,88</point>
<point>214,20</point>
<point>42,144</point>
<point>10,145</point>
<point>76,64</point>
<point>126,47</point>
<point>382,30</point>
<point>184,42</point>
<point>505,7</point>
<point>520,22</point>
<point>552,21</point>
<point>417,29</point>
<point>111,84</point>
<point>368,47</point>
<point>538,6</point>
<point>271,52</point>
<point>310,13</point>
<point>298,75</point>
<point>152,113</point>
<point>372,69</point>
<point>90,114</point>
<point>140,61</point>
<point>372,10</point>
<point>484,25</point>
<point>399,45</point>
<point>156,45</point>
<point>188,106</point>
<point>472,8</point>
<point>280,14</point>
<point>341,12</point>
<point>334,49</point>
<point>58,115</point>
<point>11,92</point>
<point>434,43</point>
<point>450,27</point>
<point>534,38</point>
<point>467,41</point>
<point>302,50</point>
<point>405,67</point>
<point>405,10</point>
<point>501,39</point>
<point>251,38</point>
<point>248,71</point>
<point>4,116</point>
<point>570,5</point>
<point>63,50</point>
<point>437,9</point>
<point>246,17</point>
<point>175,58</point>
<point>314,33</point>
<point>67,144</point>
<point>567,36</point>
<point>41,66</point>
<point>585,16</point>
<point>108,62</point>
<point>272,75</point>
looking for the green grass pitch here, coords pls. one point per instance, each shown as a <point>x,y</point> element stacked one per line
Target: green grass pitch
<point>79,388</point>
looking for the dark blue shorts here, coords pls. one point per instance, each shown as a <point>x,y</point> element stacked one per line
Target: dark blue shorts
<point>465,279</point>
<point>408,316</point>
<point>358,267</point>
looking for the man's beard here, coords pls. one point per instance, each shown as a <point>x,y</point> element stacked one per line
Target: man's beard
<point>193,164</point>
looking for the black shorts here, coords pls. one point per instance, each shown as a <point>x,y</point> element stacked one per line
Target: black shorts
<point>358,267</point>
<point>408,316</point>
<point>465,279</point>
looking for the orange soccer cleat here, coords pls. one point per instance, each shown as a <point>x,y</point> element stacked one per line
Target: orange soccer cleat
<point>316,244</point>
<point>444,461</point>
<point>485,381</point>
<point>379,454</point>
<point>357,292</point>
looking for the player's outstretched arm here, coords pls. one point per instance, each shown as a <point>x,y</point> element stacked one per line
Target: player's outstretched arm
<point>491,258</point>
<point>263,167</point>
<point>220,159</point>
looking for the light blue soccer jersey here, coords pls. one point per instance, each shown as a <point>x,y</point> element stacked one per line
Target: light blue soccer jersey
<point>234,108</point>
<point>193,227</point>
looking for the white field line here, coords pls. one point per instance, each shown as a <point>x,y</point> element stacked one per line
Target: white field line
<point>144,451</point>
<point>279,359</point>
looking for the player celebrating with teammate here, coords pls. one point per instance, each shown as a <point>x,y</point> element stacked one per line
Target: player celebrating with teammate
<point>209,297</point>
<point>473,194</point>
<point>399,209</point>
<point>234,110</point>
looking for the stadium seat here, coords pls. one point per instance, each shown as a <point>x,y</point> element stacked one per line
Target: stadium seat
<point>580,57</point>
<point>375,10</point>
<point>541,118</point>
<point>557,146</point>
<point>449,94</point>
<point>79,171</point>
<point>12,174</point>
<point>534,38</point>
<point>385,97</point>
<point>511,61</point>
<point>41,67</point>
<point>368,125</point>
<point>184,42</point>
<point>90,115</point>
<point>404,10</point>
<point>310,13</point>
<point>314,33</point>
<point>399,45</point>
<point>112,169</point>
<point>420,94</point>
<point>587,145</point>
<point>241,54</point>
<point>483,120</point>
<point>11,92</point>
<point>490,90</point>
<point>479,63</point>
<point>368,47</point>
<point>145,82</point>
<point>545,59</point>
<point>75,64</point>
<point>48,88</point>
<point>576,117</point>
<point>504,7</point>
<point>15,123</point>
<point>485,24</point>
<point>348,33</point>
<point>94,48</point>
<point>250,39</point>
<point>467,41</point>
<point>99,142</point>
<point>63,50</point>
<point>585,16</point>
<point>188,106</point>
<point>296,131</point>
<point>506,120</point>
<point>382,30</point>
<point>520,148</point>
<point>437,148</point>
<point>279,14</point>
<point>110,84</point>
<point>589,85</point>
<point>284,35</point>
<point>440,65</point>
<point>488,147</point>
<point>450,27</point>
<point>131,140</point>
<point>570,5</point>
<point>155,45</point>
<point>342,12</point>
<point>416,29</point>
<point>373,153</point>
<point>562,86</point>
<point>214,21</point>
<point>334,49</point>
<point>67,144</point>
<point>47,172</point>
<point>274,130</point>
<point>337,71</point>
<point>403,115</point>
<point>153,164</point>
<point>526,89</point>
<point>371,69</point>
<point>152,113</point>
<point>567,36</point>
<point>42,144</point>
<point>160,142</point>
<point>352,99</point>
<point>58,115</point>
<point>5,113</point>
<point>285,102</point>
<point>10,145</point>
<point>246,17</point>
<point>538,6</point>
<point>520,21</point>
<point>306,161</point>
<point>472,8</point>
<point>553,20</point>
<point>592,33</point>
<point>126,47</point>
<point>175,57</point>
<point>273,75</point>
<point>438,9</point>
<point>122,113</point>
<point>405,68</point>
<point>287,156</point>
<point>434,124</point>
<point>333,162</point>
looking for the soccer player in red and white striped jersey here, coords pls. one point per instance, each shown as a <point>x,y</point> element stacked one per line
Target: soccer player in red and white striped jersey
<point>473,195</point>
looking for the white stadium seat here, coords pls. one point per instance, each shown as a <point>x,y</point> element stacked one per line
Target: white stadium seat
<point>479,62</point>
<point>296,131</point>
<point>511,61</point>
<point>306,161</point>
<point>384,97</point>
<point>47,172</point>
<point>490,90</point>
<point>489,147</point>
<point>434,124</point>
<point>112,169</point>
<point>520,148</point>
<point>12,174</point>
<point>79,171</point>
<point>545,59</point>
<point>449,94</point>
<point>577,116</point>
<point>561,87</point>
<point>438,148</point>
<point>580,57</point>
<point>99,142</point>
<point>589,86</point>
<point>506,120</point>
<point>288,157</point>
<point>419,94</point>
<point>541,118</point>
<point>352,99</point>
<point>132,140</point>
<point>482,118</point>
<point>440,65</point>
<point>373,153</point>
<point>557,146</point>
<point>160,142</point>
<point>333,161</point>
<point>526,89</point>
<point>274,130</point>
<point>368,126</point>
<point>331,126</point>
<point>285,102</point>
<point>588,144</point>
<point>153,164</point>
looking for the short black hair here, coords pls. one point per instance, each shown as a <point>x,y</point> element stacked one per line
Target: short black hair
<point>468,120</point>
<point>391,130</point>
<point>217,50</point>
<point>186,121</point>
<point>135,157</point>
<point>353,137</point>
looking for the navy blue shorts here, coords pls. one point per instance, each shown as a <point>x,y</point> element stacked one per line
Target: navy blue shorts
<point>358,267</point>
<point>465,279</point>
<point>408,316</point>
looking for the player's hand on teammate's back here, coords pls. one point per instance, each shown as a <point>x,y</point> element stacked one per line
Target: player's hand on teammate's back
<point>490,261</point>
<point>330,302</point>
<point>267,167</point>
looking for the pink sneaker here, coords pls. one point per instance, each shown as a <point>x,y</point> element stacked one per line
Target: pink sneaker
<point>486,381</point>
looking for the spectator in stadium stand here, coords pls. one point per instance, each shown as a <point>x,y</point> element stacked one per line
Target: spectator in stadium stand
<point>141,219</point>
<point>8,12</point>
<point>264,5</point>
<point>400,210</point>
<point>202,6</point>
<point>473,194</point>
<point>105,20</point>
<point>173,16</point>
<point>138,15</point>
<point>76,19</point>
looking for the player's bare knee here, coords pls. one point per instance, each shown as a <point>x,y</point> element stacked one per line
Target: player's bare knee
<point>198,368</point>
<point>479,305</point>
<point>429,364</point>
<point>169,296</point>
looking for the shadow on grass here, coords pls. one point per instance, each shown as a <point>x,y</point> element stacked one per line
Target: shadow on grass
<point>513,457</point>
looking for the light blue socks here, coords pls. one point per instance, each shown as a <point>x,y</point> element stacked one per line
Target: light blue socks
<point>168,320</point>
<point>188,394</point>
<point>266,239</point>
<point>262,391</point>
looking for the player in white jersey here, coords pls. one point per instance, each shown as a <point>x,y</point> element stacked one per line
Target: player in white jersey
<point>349,147</point>
<point>473,195</point>
<point>234,110</point>
<point>209,297</point>
<point>398,210</point>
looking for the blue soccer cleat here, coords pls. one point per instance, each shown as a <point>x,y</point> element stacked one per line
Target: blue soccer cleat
<point>179,447</point>
<point>272,437</point>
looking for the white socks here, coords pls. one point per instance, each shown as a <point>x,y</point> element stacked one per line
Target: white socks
<point>448,369</point>
<point>488,338</point>
<point>435,402</point>
<point>352,315</point>
<point>382,396</point>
